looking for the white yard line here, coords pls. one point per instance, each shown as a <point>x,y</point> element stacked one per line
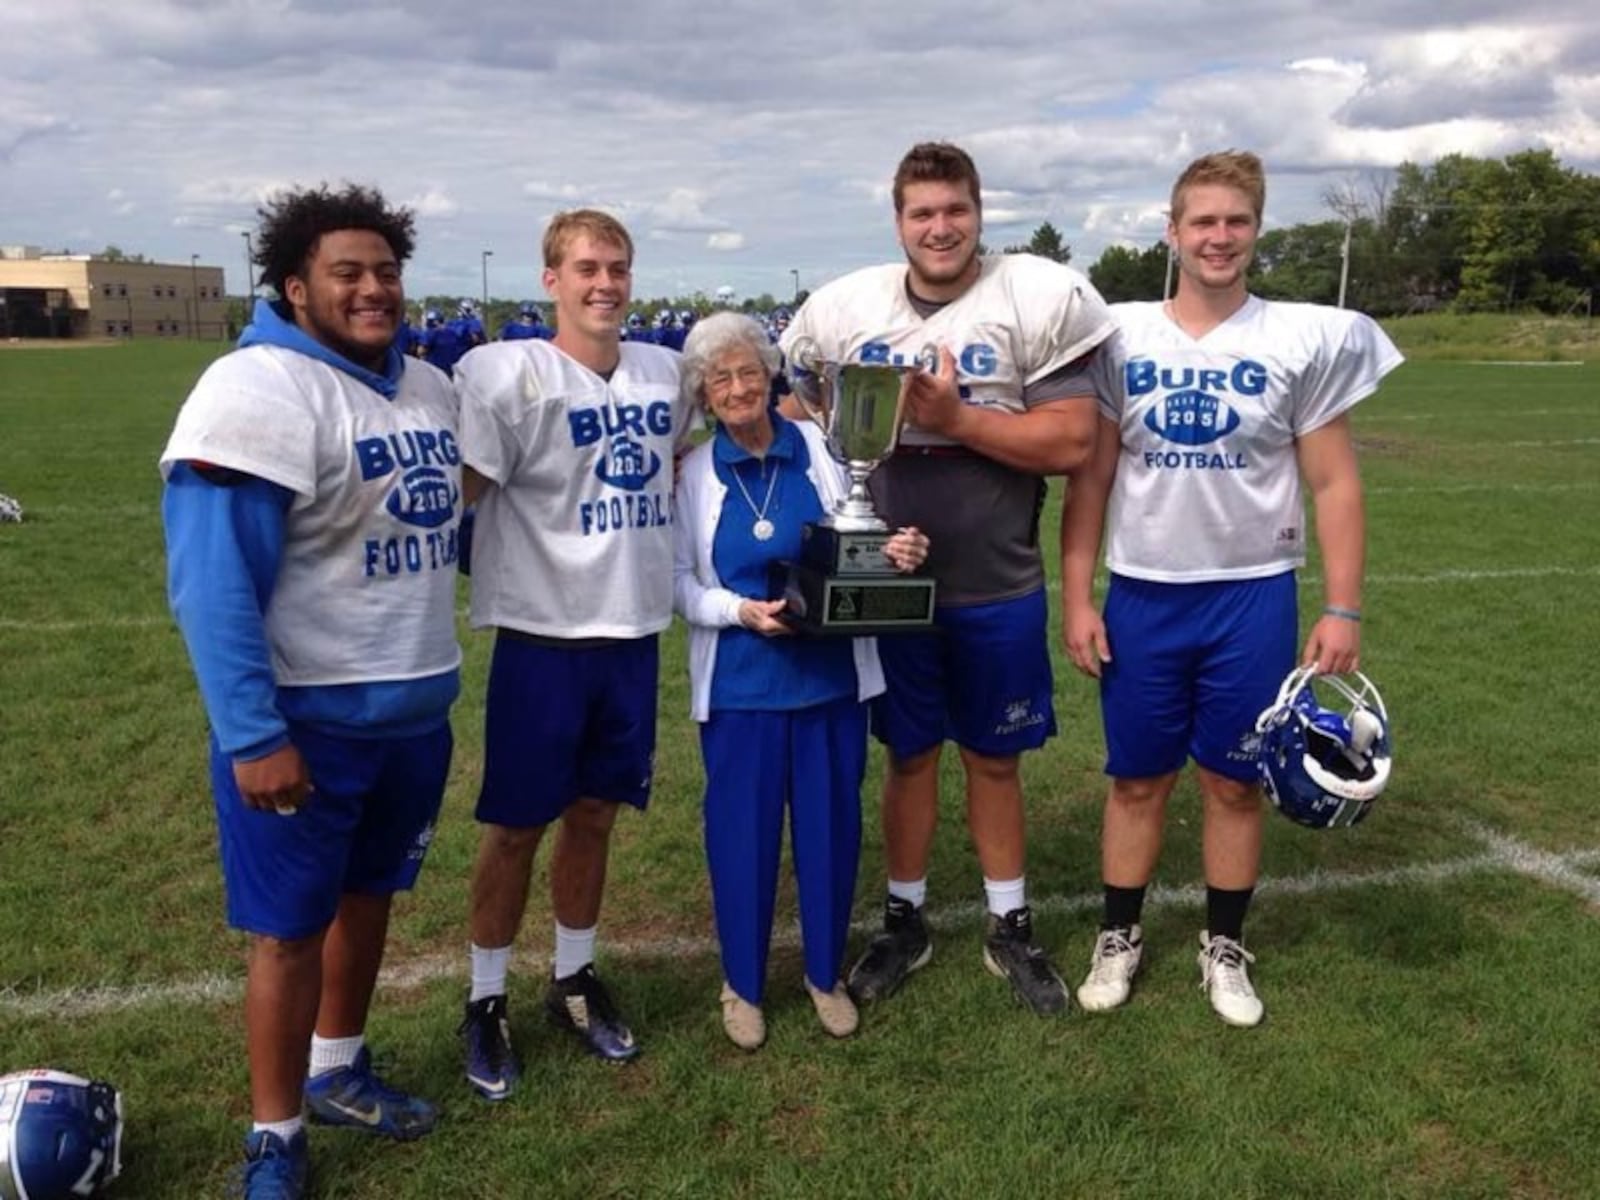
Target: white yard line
<point>1450,575</point>
<point>1453,489</point>
<point>1502,853</point>
<point>1557,870</point>
<point>1509,413</point>
<point>88,623</point>
<point>1453,576</point>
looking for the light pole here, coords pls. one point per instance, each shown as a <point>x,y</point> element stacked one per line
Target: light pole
<point>194,296</point>
<point>795,271</point>
<point>1344,263</point>
<point>487,255</point>
<point>249,269</point>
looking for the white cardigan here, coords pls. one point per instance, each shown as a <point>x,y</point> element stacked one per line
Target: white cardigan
<point>698,594</point>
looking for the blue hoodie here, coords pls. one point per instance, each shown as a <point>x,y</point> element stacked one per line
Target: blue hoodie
<point>225,536</point>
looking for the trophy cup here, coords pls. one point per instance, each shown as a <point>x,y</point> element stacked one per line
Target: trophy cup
<point>843,583</point>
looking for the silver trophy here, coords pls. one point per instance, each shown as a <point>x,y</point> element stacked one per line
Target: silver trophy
<point>860,409</point>
<point>844,583</point>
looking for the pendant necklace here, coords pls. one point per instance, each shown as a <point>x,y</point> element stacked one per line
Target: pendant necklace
<point>763,529</point>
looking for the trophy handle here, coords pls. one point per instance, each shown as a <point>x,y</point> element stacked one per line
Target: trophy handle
<point>927,359</point>
<point>808,380</point>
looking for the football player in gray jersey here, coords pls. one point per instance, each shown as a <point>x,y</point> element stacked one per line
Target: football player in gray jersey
<point>1011,402</point>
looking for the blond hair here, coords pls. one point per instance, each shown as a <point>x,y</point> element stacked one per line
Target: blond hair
<point>565,226</point>
<point>1237,169</point>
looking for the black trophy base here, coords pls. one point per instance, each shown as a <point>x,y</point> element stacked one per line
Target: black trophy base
<point>827,605</point>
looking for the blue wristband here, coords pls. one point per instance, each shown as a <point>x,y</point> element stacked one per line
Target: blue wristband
<point>1347,614</point>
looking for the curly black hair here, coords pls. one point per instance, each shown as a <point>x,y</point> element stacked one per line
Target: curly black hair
<point>293,221</point>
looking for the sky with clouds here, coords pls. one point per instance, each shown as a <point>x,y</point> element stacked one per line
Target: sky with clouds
<point>745,144</point>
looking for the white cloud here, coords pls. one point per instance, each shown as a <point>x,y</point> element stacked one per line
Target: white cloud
<point>229,192</point>
<point>435,202</point>
<point>682,212</point>
<point>565,193</point>
<point>695,140</point>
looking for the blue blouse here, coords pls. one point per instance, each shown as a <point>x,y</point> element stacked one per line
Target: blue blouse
<point>752,671</point>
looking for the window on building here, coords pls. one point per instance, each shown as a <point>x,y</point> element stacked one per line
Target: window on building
<point>127,329</point>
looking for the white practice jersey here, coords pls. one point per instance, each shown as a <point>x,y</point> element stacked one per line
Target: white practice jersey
<point>366,588</point>
<point>1208,484</point>
<point>575,541</point>
<point>1021,319</point>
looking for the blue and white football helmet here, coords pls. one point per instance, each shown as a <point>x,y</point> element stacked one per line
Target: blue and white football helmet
<point>1321,766</point>
<point>60,1136</point>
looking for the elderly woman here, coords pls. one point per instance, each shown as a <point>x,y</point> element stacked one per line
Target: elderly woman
<point>783,719</point>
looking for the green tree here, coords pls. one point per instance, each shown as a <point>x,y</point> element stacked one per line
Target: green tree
<point>1123,273</point>
<point>1046,243</point>
<point>1488,234</point>
<point>1299,263</point>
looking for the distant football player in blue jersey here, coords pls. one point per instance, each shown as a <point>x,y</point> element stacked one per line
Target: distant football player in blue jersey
<point>469,326</point>
<point>669,332</point>
<point>441,343</point>
<point>529,323</point>
<point>637,331</point>
<point>407,338</point>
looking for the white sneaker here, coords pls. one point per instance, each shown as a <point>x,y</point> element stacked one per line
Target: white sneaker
<point>1116,961</point>
<point>1227,982</point>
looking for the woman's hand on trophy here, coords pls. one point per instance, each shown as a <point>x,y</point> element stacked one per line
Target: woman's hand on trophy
<point>761,616</point>
<point>933,398</point>
<point>907,549</point>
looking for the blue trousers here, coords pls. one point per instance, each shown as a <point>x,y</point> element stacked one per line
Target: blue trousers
<point>810,760</point>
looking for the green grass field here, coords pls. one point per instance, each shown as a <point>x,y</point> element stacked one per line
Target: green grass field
<point>1430,977</point>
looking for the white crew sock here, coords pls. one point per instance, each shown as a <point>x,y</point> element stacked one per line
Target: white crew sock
<point>574,949</point>
<point>914,890</point>
<point>489,969</point>
<point>329,1054</point>
<point>1005,895</point>
<point>285,1129</point>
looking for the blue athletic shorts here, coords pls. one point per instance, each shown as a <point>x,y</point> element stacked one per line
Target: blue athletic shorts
<point>564,723</point>
<point>364,828</point>
<point>981,680</point>
<point>1192,666</point>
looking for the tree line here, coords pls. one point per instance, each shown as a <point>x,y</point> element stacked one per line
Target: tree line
<point>1463,234</point>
